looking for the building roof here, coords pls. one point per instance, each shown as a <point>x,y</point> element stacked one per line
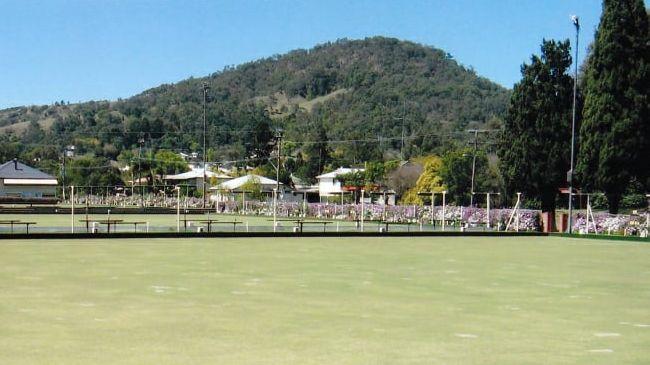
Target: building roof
<point>339,171</point>
<point>237,183</point>
<point>196,174</point>
<point>18,170</point>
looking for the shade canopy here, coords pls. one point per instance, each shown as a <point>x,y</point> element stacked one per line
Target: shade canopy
<point>236,184</point>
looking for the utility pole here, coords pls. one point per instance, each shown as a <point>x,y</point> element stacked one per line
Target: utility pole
<point>205,151</point>
<point>403,119</point>
<point>63,176</point>
<point>476,132</point>
<point>401,150</point>
<point>576,23</point>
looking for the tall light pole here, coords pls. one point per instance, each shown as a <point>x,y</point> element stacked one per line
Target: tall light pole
<point>278,139</point>
<point>140,143</point>
<point>205,151</point>
<point>576,23</point>
<point>68,151</point>
<point>276,191</point>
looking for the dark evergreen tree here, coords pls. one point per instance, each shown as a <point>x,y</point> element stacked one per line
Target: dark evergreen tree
<point>614,136</point>
<point>534,147</point>
<point>259,143</point>
<point>316,152</point>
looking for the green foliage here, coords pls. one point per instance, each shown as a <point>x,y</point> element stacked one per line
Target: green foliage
<point>259,146</point>
<point>634,196</point>
<point>169,163</point>
<point>535,144</point>
<point>429,181</point>
<point>456,173</point>
<point>374,175</point>
<point>313,157</point>
<point>356,179</point>
<point>633,201</point>
<point>10,148</point>
<point>615,138</point>
<point>92,171</point>
<point>372,178</point>
<point>253,189</point>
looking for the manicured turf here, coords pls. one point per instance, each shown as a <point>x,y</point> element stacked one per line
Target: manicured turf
<point>375,300</point>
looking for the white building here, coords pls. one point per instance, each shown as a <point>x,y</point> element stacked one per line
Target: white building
<point>327,183</point>
<point>22,181</point>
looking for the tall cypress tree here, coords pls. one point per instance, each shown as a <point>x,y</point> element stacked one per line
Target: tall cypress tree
<point>534,147</point>
<point>614,136</point>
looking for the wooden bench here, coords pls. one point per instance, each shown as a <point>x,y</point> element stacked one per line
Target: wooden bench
<point>13,222</point>
<point>299,223</point>
<point>210,222</point>
<point>386,224</point>
<point>135,224</point>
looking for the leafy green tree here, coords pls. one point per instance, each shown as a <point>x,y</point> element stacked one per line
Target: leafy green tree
<point>355,179</point>
<point>258,145</point>
<point>315,154</point>
<point>34,133</point>
<point>456,174</point>
<point>534,146</point>
<point>45,158</point>
<point>615,136</point>
<point>10,148</point>
<point>374,175</point>
<point>429,181</point>
<point>268,170</point>
<point>169,163</point>
<point>253,189</point>
<point>92,171</point>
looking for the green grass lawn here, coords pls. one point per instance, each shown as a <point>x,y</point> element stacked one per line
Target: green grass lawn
<point>367,300</point>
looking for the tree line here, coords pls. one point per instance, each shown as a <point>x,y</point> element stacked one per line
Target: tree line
<point>612,114</point>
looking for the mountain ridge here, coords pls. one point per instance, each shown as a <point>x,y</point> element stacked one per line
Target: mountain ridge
<point>354,89</point>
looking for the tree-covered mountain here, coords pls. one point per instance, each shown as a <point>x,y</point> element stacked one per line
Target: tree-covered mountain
<point>354,98</point>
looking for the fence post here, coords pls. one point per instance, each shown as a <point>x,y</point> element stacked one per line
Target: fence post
<point>72,208</point>
<point>362,208</point>
<point>444,205</point>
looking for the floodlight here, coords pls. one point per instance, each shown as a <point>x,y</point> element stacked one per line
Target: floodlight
<point>575,20</point>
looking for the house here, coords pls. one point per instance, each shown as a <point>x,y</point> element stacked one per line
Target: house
<point>304,191</point>
<point>329,186</point>
<point>20,180</point>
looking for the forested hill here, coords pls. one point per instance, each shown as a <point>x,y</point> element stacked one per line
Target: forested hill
<point>360,90</point>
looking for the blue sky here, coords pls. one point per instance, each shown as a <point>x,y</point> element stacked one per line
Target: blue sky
<point>79,50</point>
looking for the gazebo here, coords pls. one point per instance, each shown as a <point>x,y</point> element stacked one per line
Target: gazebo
<point>195,177</point>
<point>227,190</point>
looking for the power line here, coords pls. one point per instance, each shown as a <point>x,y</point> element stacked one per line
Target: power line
<point>380,138</point>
